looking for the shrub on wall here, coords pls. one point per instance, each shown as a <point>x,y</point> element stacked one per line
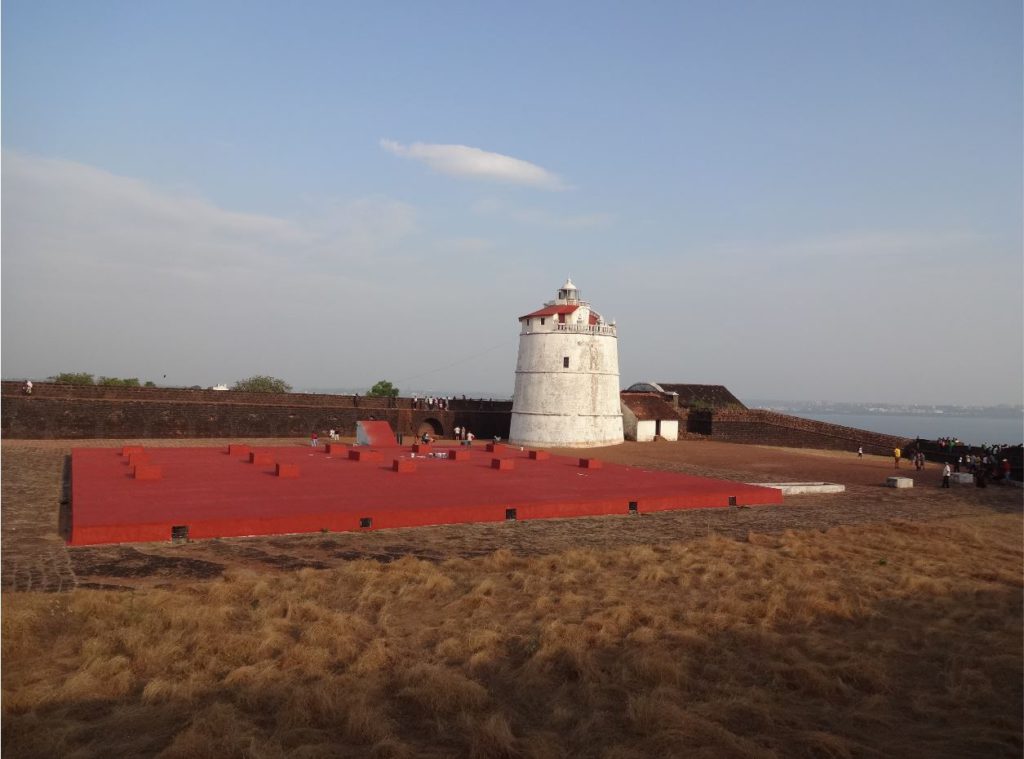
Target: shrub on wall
<point>118,382</point>
<point>383,389</point>
<point>73,378</point>
<point>262,384</point>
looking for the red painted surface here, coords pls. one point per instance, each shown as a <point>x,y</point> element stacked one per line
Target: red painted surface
<point>146,472</point>
<point>539,455</point>
<point>421,448</point>
<point>503,465</point>
<point>261,458</point>
<point>403,465</point>
<point>550,311</point>
<point>363,454</point>
<point>217,495</point>
<point>128,450</point>
<point>238,450</point>
<point>460,454</point>
<point>590,463</point>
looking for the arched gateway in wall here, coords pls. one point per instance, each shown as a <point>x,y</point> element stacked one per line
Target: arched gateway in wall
<point>431,426</point>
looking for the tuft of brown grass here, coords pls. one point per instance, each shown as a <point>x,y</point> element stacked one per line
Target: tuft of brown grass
<point>900,639</point>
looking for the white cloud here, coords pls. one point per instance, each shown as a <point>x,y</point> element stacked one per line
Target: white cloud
<point>474,163</point>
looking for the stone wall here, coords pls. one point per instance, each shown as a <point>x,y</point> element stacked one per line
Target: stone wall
<point>772,428</point>
<point>81,412</point>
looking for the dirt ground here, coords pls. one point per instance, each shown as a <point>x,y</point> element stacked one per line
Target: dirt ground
<point>34,508</point>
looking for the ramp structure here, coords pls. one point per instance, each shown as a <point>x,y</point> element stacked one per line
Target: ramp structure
<point>242,490</point>
<point>376,434</point>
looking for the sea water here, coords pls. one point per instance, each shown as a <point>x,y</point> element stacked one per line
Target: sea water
<point>974,430</point>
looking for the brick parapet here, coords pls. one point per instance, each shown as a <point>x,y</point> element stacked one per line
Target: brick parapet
<point>81,412</point>
<point>773,428</point>
<point>57,410</point>
<point>188,395</point>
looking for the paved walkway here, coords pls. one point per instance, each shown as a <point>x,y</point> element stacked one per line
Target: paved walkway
<point>34,556</point>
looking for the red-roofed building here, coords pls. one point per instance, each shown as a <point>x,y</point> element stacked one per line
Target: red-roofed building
<point>560,311</point>
<point>645,416</point>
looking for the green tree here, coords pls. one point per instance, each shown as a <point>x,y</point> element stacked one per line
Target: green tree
<point>118,382</point>
<point>150,383</point>
<point>384,389</point>
<point>73,378</point>
<point>262,384</point>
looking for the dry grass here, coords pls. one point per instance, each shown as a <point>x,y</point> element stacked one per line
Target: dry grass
<point>902,639</point>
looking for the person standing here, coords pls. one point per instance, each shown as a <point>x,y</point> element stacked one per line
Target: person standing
<point>28,387</point>
<point>314,439</point>
<point>945,475</point>
<point>860,451</point>
<point>896,456</point>
<point>458,432</point>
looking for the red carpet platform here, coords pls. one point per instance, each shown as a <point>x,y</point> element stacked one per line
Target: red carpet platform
<point>139,495</point>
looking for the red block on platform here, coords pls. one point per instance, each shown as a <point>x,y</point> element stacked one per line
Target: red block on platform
<point>539,455</point>
<point>403,465</point>
<point>287,471</point>
<point>503,464</point>
<point>459,454</point>
<point>236,449</point>
<point>261,459</point>
<point>496,448</point>
<point>361,454</point>
<point>130,449</point>
<point>421,448</point>
<point>147,472</point>
<point>138,457</point>
<point>590,463</point>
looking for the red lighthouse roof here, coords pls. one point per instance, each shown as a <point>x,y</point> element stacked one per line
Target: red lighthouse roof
<point>551,311</point>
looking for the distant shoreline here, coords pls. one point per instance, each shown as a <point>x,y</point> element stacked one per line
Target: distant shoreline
<point>974,430</point>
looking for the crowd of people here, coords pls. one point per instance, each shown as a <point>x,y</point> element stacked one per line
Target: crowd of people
<point>988,462</point>
<point>430,402</point>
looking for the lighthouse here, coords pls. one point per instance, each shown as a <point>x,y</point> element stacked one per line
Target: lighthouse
<point>567,376</point>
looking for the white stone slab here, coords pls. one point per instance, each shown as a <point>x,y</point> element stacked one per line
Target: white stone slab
<point>802,488</point>
<point>962,478</point>
<point>899,482</point>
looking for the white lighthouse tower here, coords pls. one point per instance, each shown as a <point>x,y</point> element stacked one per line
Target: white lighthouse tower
<point>567,376</point>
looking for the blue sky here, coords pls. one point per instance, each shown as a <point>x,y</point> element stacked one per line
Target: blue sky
<point>799,200</point>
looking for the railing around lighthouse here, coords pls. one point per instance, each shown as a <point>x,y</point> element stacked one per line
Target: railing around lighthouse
<point>586,329</point>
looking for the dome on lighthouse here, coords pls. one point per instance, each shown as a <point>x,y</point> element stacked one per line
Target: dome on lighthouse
<point>568,291</point>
